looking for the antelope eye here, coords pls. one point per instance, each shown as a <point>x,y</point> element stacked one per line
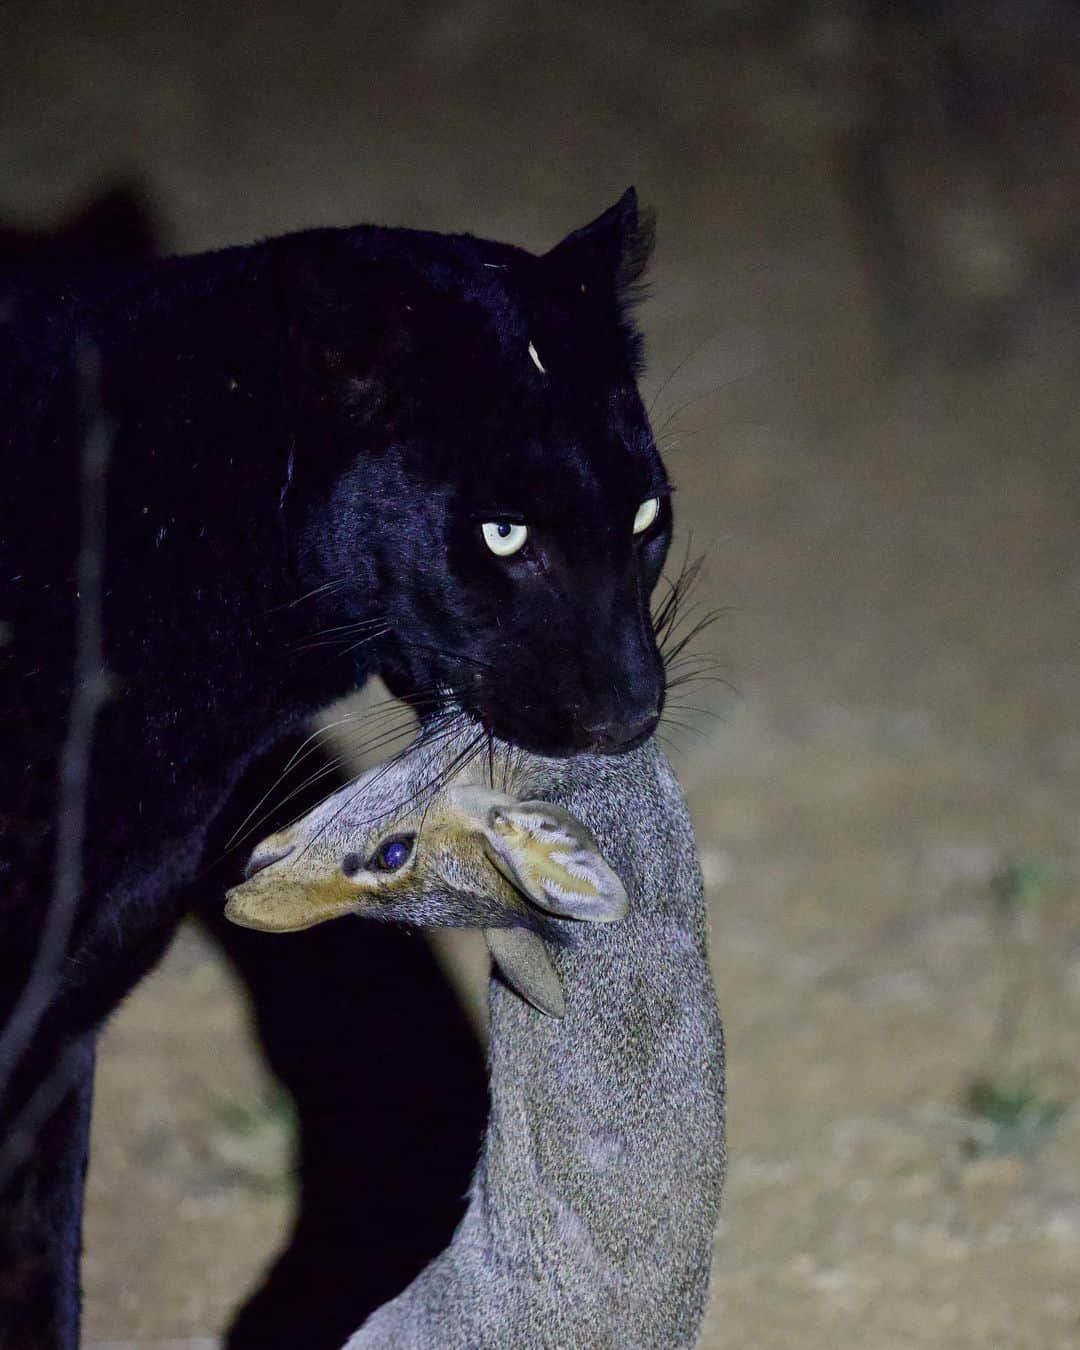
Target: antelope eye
<point>503,537</point>
<point>646,514</point>
<point>392,853</point>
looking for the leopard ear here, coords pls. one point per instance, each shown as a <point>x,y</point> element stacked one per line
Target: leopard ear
<point>550,856</point>
<point>616,245</point>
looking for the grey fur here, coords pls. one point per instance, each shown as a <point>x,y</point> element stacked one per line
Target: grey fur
<point>524,963</point>
<point>595,1199</point>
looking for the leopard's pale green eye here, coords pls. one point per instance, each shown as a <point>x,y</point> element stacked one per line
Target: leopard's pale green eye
<point>503,537</point>
<point>646,514</point>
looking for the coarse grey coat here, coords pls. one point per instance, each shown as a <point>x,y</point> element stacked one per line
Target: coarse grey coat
<point>596,1196</point>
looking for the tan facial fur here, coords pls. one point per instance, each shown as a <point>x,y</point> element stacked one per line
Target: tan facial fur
<point>477,858</point>
<point>470,841</point>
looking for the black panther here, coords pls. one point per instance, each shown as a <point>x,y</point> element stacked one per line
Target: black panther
<point>429,445</point>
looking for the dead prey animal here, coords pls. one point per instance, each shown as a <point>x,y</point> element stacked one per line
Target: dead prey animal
<point>467,854</point>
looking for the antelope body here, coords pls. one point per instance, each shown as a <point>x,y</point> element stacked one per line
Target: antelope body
<point>595,1199</point>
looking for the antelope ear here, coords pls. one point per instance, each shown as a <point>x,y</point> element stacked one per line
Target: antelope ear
<point>524,963</point>
<point>550,856</point>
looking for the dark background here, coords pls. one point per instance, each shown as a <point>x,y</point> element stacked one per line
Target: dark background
<point>864,360</point>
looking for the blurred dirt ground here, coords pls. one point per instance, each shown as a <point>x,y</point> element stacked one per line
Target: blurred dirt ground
<point>887,809</point>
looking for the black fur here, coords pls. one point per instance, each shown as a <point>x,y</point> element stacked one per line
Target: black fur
<point>390,1092</point>
<point>306,435</point>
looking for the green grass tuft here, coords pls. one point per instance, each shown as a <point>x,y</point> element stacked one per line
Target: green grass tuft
<point>1009,1117</point>
<point>1023,885</point>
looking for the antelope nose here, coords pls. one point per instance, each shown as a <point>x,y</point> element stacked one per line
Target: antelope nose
<point>258,860</point>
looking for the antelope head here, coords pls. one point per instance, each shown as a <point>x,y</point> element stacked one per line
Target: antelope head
<point>467,856</point>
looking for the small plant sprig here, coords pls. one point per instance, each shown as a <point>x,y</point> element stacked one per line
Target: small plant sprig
<point>1023,886</point>
<point>1014,1111</point>
<point>1009,1115</point>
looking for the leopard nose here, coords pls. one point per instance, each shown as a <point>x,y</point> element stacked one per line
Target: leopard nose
<point>610,737</point>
